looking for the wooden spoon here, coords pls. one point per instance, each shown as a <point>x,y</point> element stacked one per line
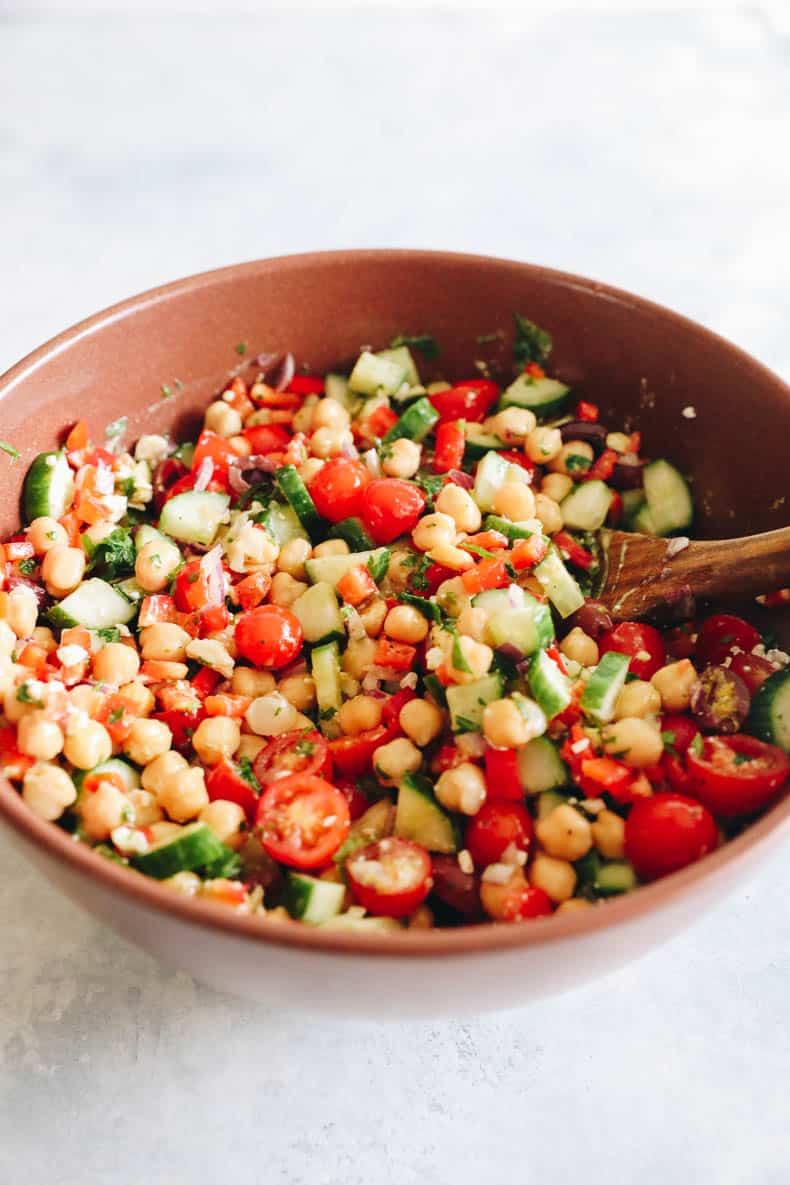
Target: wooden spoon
<point>641,573</point>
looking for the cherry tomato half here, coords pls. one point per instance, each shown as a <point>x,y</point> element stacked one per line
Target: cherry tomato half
<point>666,832</point>
<point>338,487</point>
<point>466,401</point>
<point>214,447</point>
<point>494,828</point>
<point>225,782</point>
<point>753,669</point>
<point>391,507</point>
<point>390,878</point>
<point>269,636</point>
<point>352,756</point>
<point>302,821</point>
<point>642,642</point>
<point>722,634</point>
<point>301,752</point>
<point>735,775</point>
<point>267,438</point>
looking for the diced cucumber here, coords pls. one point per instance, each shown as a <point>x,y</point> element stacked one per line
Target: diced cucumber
<point>633,501</point>
<point>415,423</point>
<point>127,773</point>
<point>283,523</point>
<point>529,629</point>
<point>48,489</point>
<point>478,443</point>
<point>532,712</point>
<point>131,590</point>
<point>325,662</point>
<point>561,588</point>
<point>185,453</point>
<point>587,505</point>
<point>195,845</point>
<point>376,823</point>
<point>336,387</point>
<point>545,397</point>
<point>614,877</point>
<point>466,701</point>
<point>145,533</point>
<point>492,473</point>
<point>549,800</point>
<point>496,600</point>
<point>643,521</point>
<point>194,517</point>
<point>402,356</point>
<point>548,685</point>
<point>95,604</point>
<point>312,900</point>
<point>513,531</point>
<point>297,494</point>
<point>421,817</point>
<point>540,766</point>
<point>319,613</point>
<point>604,685</point>
<point>769,716</point>
<point>352,532</point>
<point>373,375</point>
<point>330,568</point>
<point>668,498</point>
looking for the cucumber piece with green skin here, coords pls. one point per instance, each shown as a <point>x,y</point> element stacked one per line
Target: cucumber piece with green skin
<point>195,516</point>
<point>325,663</point>
<point>769,715</point>
<point>643,521</point>
<point>604,686</point>
<point>95,604</point>
<point>298,496</point>
<point>545,397</point>
<point>48,489</point>
<point>312,900</point>
<point>331,568</point>
<point>549,800</point>
<point>415,423</point>
<point>492,473</point>
<point>633,501</point>
<point>319,613</point>
<point>560,587</point>
<point>549,686</point>
<point>466,701</point>
<point>185,453</point>
<point>614,877</point>
<point>336,387</point>
<point>496,600</point>
<point>144,534</point>
<point>668,498</point>
<point>586,507</point>
<point>283,523</point>
<point>195,845</point>
<point>477,442</point>
<point>528,629</point>
<point>376,823</point>
<point>127,773</point>
<point>420,816</point>
<point>402,356</point>
<point>512,531</point>
<point>352,532</point>
<point>131,590</point>
<point>373,375</point>
<point>540,766</point>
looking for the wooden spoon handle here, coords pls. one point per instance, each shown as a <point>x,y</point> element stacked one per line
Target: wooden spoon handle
<point>735,567</point>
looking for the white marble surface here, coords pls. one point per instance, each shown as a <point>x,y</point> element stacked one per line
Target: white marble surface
<point>636,149</point>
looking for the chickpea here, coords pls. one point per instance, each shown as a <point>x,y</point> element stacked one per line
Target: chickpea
<point>503,725</point>
<point>7,640</point>
<point>38,737</point>
<point>359,714</point>
<point>580,648</point>
<point>99,532</point>
<point>331,547</point>
<point>116,663</point>
<point>404,623</point>
<point>140,696</point>
<point>608,832</point>
<point>472,622</point>
<point>401,458</point>
<point>564,833</point>
<point>21,610</point>
<point>222,419</point>
<point>434,530</point>
<point>45,533</point>
<point>299,690</point>
<point>291,559</point>
<point>89,745</point>
<point>42,636</point>
<point>216,738</point>
<point>515,501</point>
<point>674,683</point>
<point>549,513</point>
<point>48,790</point>
<point>461,507</point>
<point>252,683</point>
<point>164,642</point>
<point>452,597</point>
<point>637,699</point>
<point>330,442</point>
<point>634,741</point>
<point>145,807</point>
<point>269,715</point>
<point>183,794</point>
<point>422,919</point>
<point>86,699</point>
<point>400,569</point>
<point>155,564</point>
<point>358,657</point>
<point>511,425</point>
<point>147,740</point>
<point>421,720</point>
<point>159,770</point>
<point>556,486</point>
<point>240,445</point>
<point>395,759</point>
<point>573,459</point>
<point>285,590</point>
<point>557,878</point>
<point>250,746</point>
<point>227,820</point>
<point>373,616</point>
<point>451,557</point>
<point>7,676</point>
<point>462,788</point>
<point>496,896</point>
<point>618,441</point>
<point>543,444</point>
<point>102,810</point>
<point>328,413</point>
<point>62,570</point>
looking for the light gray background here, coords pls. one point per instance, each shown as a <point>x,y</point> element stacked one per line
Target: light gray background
<point>648,151</point>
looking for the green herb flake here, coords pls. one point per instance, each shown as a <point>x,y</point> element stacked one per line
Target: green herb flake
<point>532,344</point>
<point>669,738</point>
<point>424,342</point>
<point>116,714</point>
<point>241,349</point>
<point>741,758</point>
<point>458,657</point>
<point>116,428</point>
<point>25,696</point>
<point>427,607</point>
<point>247,773</point>
<point>696,747</point>
<point>464,724</point>
<point>166,391</point>
<point>27,567</point>
<point>114,556</point>
<point>10,451</point>
<point>109,633</point>
<point>576,463</point>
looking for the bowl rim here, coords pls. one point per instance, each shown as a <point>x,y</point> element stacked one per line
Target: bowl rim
<point>479,938</point>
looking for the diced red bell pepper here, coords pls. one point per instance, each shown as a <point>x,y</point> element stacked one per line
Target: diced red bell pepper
<point>603,468</point>
<point>573,551</point>
<point>225,704</point>
<point>600,775</point>
<point>379,422</point>
<point>253,589</point>
<point>615,513</point>
<point>356,585</point>
<point>182,725</point>
<point>503,783</point>
<point>267,438</point>
<point>517,458</point>
<point>157,609</point>
<point>528,552</point>
<point>534,370</point>
<point>18,549</point>
<point>77,437</point>
<point>398,656</point>
<point>489,540</point>
<point>587,411</point>
<point>393,706</point>
<point>204,682</point>
<point>489,573</point>
<point>306,384</point>
<point>450,444</point>
<point>226,783</point>
<point>215,448</point>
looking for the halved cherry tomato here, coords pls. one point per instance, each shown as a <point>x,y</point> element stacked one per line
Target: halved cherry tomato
<point>216,448</point>
<point>666,832</point>
<point>390,507</point>
<point>503,783</point>
<point>338,487</point>
<point>494,828</point>
<point>267,438</point>
<point>253,589</point>
<point>450,445</point>
<point>204,682</point>
<point>587,411</point>
<point>217,485</point>
<point>600,775</point>
<point>377,424</point>
<point>721,635</point>
<point>225,782</point>
<point>488,573</point>
<point>269,636</point>
<point>357,801</point>
<point>735,775</point>
<point>753,669</point>
<point>302,820</point>
<point>302,752</point>
<point>352,756</point>
<point>642,642</point>
<point>517,458</point>
<point>602,468</point>
<point>466,401</point>
<point>306,384</point>
<point>182,724</point>
<point>390,878</point>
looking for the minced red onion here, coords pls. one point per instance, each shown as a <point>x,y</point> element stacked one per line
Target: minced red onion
<point>267,361</point>
<point>15,581</point>
<point>409,681</point>
<point>237,483</point>
<point>372,462</point>
<point>465,480</point>
<point>211,568</point>
<point>515,597</point>
<point>204,474</point>
<point>286,372</point>
<point>348,450</point>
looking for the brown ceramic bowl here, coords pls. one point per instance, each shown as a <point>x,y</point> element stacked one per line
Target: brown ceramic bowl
<point>640,362</point>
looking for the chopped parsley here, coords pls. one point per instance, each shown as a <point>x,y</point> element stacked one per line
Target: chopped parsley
<point>114,556</point>
<point>428,608</point>
<point>458,656</point>
<point>431,484</point>
<point>741,758</point>
<point>27,567</point>
<point>241,349</point>
<point>247,773</point>
<point>116,714</point>
<point>25,696</point>
<point>696,747</point>
<point>10,451</point>
<point>532,344</point>
<point>464,724</point>
<point>424,342</point>
<point>166,391</point>
<point>109,633</point>
<point>576,463</point>
<point>669,739</point>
